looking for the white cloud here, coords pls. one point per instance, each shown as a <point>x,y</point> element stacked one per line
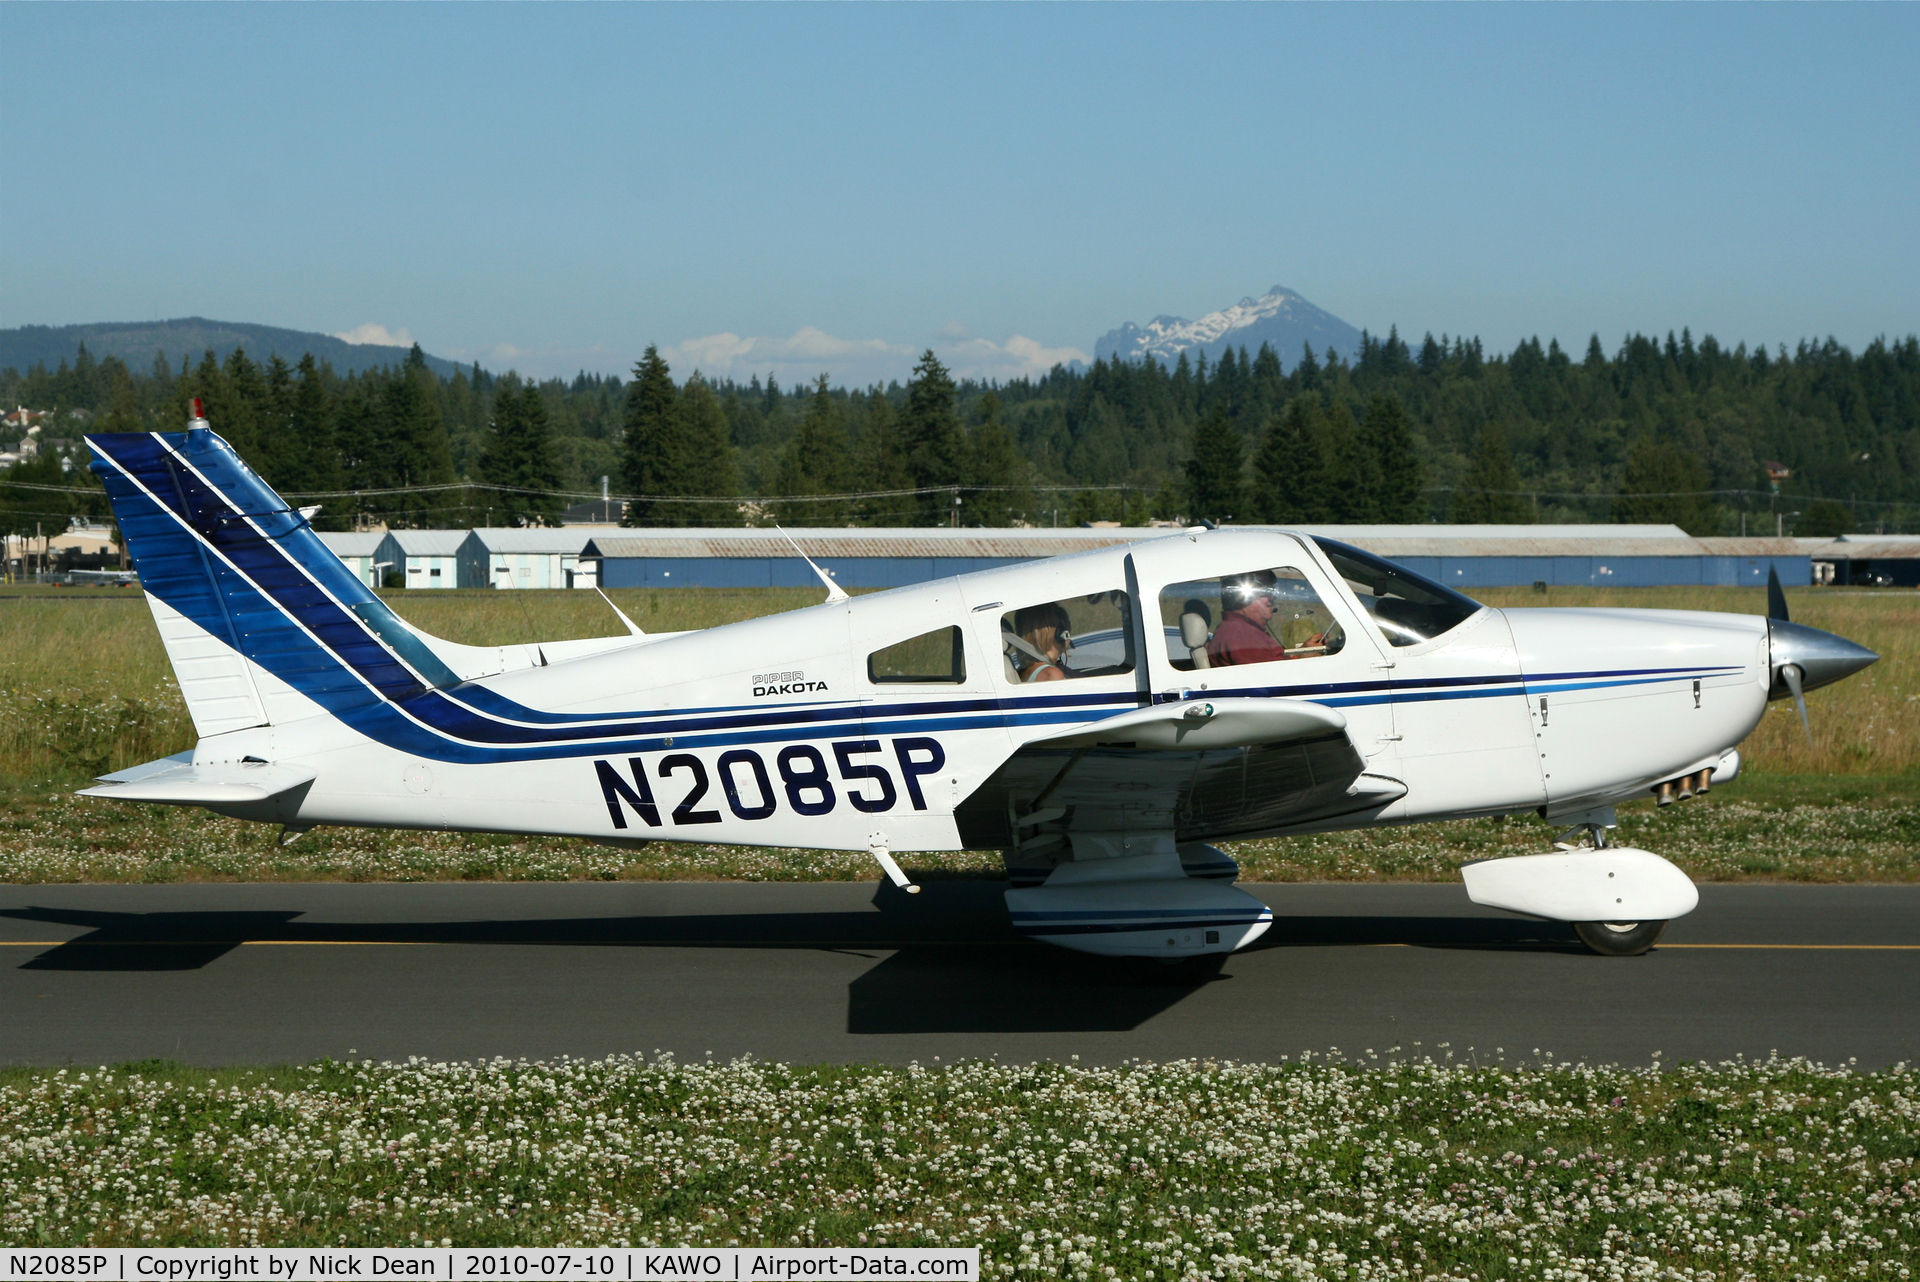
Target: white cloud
<point>550,361</point>
<point>377,336</point>
<point>860,361</point>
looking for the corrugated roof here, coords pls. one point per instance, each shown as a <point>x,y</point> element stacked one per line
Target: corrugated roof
<point>351,543</point>
<point>1357,534</point>
<point>1422,545</point>
<point>428,542</point>
<point>1864,547</point>
<point>565,541</point>
<point>860,543</point>
<point>1752,546</point>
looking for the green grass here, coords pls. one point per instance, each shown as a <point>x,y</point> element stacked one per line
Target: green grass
<point>1429,1164</point>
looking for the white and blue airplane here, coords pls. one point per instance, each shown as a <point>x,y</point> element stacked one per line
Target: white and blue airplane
<point>1102,718</point>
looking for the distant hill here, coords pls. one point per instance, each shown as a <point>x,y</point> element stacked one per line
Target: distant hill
<point>135,342</point>
<point>1279,316</point>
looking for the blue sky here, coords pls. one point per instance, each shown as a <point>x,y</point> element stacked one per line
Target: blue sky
<point>827,187</point>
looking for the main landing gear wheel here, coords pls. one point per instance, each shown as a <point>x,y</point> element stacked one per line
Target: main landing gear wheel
<point>1619,938</point>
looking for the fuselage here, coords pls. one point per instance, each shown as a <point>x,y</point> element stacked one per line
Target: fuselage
<point>780,731</point>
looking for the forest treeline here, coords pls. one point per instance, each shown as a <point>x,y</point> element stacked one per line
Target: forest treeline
<point>1678,431</point>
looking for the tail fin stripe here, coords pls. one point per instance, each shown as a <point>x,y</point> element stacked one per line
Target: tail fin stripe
<point>354,623</point>
<point>203,595</point>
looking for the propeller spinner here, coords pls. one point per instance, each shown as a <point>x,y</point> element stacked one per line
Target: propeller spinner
<point>1805,658</point>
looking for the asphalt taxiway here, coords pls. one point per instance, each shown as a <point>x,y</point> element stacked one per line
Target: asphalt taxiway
<point>229,974</point>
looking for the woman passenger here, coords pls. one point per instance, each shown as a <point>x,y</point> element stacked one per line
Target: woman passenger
<point>1045,629</point>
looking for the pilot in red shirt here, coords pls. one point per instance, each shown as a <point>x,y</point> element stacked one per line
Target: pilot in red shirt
<point>1242,636</point>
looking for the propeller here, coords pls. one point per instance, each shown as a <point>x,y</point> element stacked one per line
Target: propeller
<point>1776,596</point>
<point>1787,672</point>
<point>1790,674</point>
<point>1804,658</point>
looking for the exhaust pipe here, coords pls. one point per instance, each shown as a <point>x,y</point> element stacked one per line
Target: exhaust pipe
<point>1685,788</point>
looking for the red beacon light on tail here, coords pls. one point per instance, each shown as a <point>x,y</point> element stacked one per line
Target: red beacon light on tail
<point>198,418</point>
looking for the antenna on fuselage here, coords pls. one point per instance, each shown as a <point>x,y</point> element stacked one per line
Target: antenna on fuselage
<point>834,591</point>
<point>632,627</point>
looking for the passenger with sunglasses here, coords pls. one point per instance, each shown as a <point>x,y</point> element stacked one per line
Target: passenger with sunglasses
<point>1043,634</point>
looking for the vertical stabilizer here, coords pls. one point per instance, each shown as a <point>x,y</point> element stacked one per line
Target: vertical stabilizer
<point>262,624</point>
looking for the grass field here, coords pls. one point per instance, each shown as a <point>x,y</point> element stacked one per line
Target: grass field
<point>1437,1164</point>
<point>84,688</point>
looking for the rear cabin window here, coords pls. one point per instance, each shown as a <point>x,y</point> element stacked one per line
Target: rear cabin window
<point>1078,636</point>
<point>1263,616</point>
<point>936,657</point>
<point>1407,608</point>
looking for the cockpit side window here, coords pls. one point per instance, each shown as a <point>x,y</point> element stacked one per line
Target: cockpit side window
<point>1262,616</point>
<point>938,657</point>
<point>1407,608</point>
<point>1080,636</point>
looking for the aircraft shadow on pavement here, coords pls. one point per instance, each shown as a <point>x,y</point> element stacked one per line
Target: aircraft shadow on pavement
<point>946,960</point>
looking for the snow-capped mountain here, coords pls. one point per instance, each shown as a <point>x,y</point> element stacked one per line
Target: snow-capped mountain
<point>1279,316</point>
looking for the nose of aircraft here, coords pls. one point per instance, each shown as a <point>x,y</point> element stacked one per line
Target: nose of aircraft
<point>1822,657</point>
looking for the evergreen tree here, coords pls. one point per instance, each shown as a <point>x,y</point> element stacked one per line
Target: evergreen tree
<point>1665,485</point>
<point>1215,489</point>
<point>519,456</point>
<point>227,412</point>
<point>819,460</point>
<point>276,413</point>
<point>1356,470</point>
<point>123,415</point>
<point>1099,453</point>
<point>1390,439</point>
<point>311,456</point>
<point>994,461</point>
<point>931,439</point>
<point>698,440</point>
<point>883,467</point>
<point>403,442</point>
<point>651,461</point>
<point>1489,493</point>
<point>247,406</point>
<point>1306,375</point>
<point>1292,484</point>
<point>1824,519</point>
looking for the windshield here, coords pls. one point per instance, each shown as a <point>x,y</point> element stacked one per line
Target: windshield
<point>1407,608</point>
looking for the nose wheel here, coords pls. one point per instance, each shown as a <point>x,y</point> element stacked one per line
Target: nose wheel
<point>1619,938</point>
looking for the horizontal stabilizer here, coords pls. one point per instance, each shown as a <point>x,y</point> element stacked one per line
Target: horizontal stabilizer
<point>171,781</point>
<point>1617,884</point>
<point>1216,723</point>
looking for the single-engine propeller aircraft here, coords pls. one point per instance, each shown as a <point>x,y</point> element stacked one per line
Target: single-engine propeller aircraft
<point>1101,717</point>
